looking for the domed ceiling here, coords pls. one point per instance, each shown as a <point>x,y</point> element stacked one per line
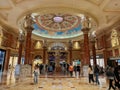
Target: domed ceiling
<point>57,26</point>
<point>105,12</point>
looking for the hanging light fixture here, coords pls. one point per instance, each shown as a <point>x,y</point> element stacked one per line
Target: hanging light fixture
<point>58,19</point>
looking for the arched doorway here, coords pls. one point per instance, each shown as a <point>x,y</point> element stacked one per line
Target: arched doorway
<point>37,60</point>
<point>57,55</point>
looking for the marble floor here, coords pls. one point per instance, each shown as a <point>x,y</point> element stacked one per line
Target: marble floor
<point>55,82</point>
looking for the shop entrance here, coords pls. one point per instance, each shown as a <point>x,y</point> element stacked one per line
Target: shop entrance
<point>57,58</point>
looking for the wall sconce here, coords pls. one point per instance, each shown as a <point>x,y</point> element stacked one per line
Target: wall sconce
<point>76,45</point>
<point>38,45</point>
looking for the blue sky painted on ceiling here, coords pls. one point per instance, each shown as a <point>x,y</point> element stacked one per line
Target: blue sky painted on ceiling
<point>57,35</point>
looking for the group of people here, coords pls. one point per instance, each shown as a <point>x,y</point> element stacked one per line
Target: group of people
<point>112,74</point>
<point>93,72</point>
<point>74,70</point>
<point>69,69</point>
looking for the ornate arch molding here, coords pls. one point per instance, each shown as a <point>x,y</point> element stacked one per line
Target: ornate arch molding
<point>116,25</point>
<point>57,45</point>
<point>47,10</point>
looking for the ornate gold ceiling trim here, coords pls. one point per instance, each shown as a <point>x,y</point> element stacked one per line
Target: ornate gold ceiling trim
<point>5,8</point>
<point>47,10</point>
<point>96,2</point>
<point>17,1</point>
<point>101,31</point>
<point>109,10</point>
<point>3,17</point>
<point>8,27</point>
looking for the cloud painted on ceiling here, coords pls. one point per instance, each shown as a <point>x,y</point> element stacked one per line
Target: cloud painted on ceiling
<point>59,34</point>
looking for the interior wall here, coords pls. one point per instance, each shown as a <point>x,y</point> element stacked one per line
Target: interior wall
<point>76,54</point>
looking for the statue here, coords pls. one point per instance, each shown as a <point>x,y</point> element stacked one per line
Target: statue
<point>21,36</point>
<point>114,38</point>
<point>86,22</point>
<point>28,21</point>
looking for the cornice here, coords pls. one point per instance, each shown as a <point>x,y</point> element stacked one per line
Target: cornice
<point>56,9</point>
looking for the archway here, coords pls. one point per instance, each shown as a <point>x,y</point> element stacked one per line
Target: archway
<point>38,60</point>
<point>57,55</point>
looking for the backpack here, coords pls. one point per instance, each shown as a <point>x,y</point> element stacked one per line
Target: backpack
<point>71,68</point>
<point>96,70</point>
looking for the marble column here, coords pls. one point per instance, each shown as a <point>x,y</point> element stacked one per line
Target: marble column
<point>105,57</point>
<point>105,49</point>
<point>28,45</point>
<point>21,40</point>
<point>86,47</point>
<point>44,51</point>
<point>44,55</point>
<point>28,25</point>
<point>70,51</point>
<point>20,52</point>
<point>93,51</point>
<point>31,58</point>
<point>6,65</point>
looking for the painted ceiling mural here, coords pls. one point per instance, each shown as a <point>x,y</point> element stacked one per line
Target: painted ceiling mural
<point>104,12</point>
<point>58,34</point>
<point>58,26</point>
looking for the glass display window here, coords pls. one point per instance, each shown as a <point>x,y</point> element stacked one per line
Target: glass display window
<point>2,59</point>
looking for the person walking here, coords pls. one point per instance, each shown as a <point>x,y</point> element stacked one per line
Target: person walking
<point>71,68</point>
<point>36,74</point>
<point>96,72</point>
<point>78,71</point>
<point>111,77</point>
<point>117,76</point>
<point>90,74</point>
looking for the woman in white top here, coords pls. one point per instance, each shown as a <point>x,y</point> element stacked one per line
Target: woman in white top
<point>90,72</point>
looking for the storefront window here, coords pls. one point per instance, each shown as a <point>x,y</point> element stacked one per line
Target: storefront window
<point>2,58</point>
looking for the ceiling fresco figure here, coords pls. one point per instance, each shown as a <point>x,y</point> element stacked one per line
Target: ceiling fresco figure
<point>114,38</point>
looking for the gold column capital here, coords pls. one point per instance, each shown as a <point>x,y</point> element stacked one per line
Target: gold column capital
<point>85,30</point>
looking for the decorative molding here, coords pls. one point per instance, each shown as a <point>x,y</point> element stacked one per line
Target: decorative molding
<point>96,2</point>
<point>112,6</point>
